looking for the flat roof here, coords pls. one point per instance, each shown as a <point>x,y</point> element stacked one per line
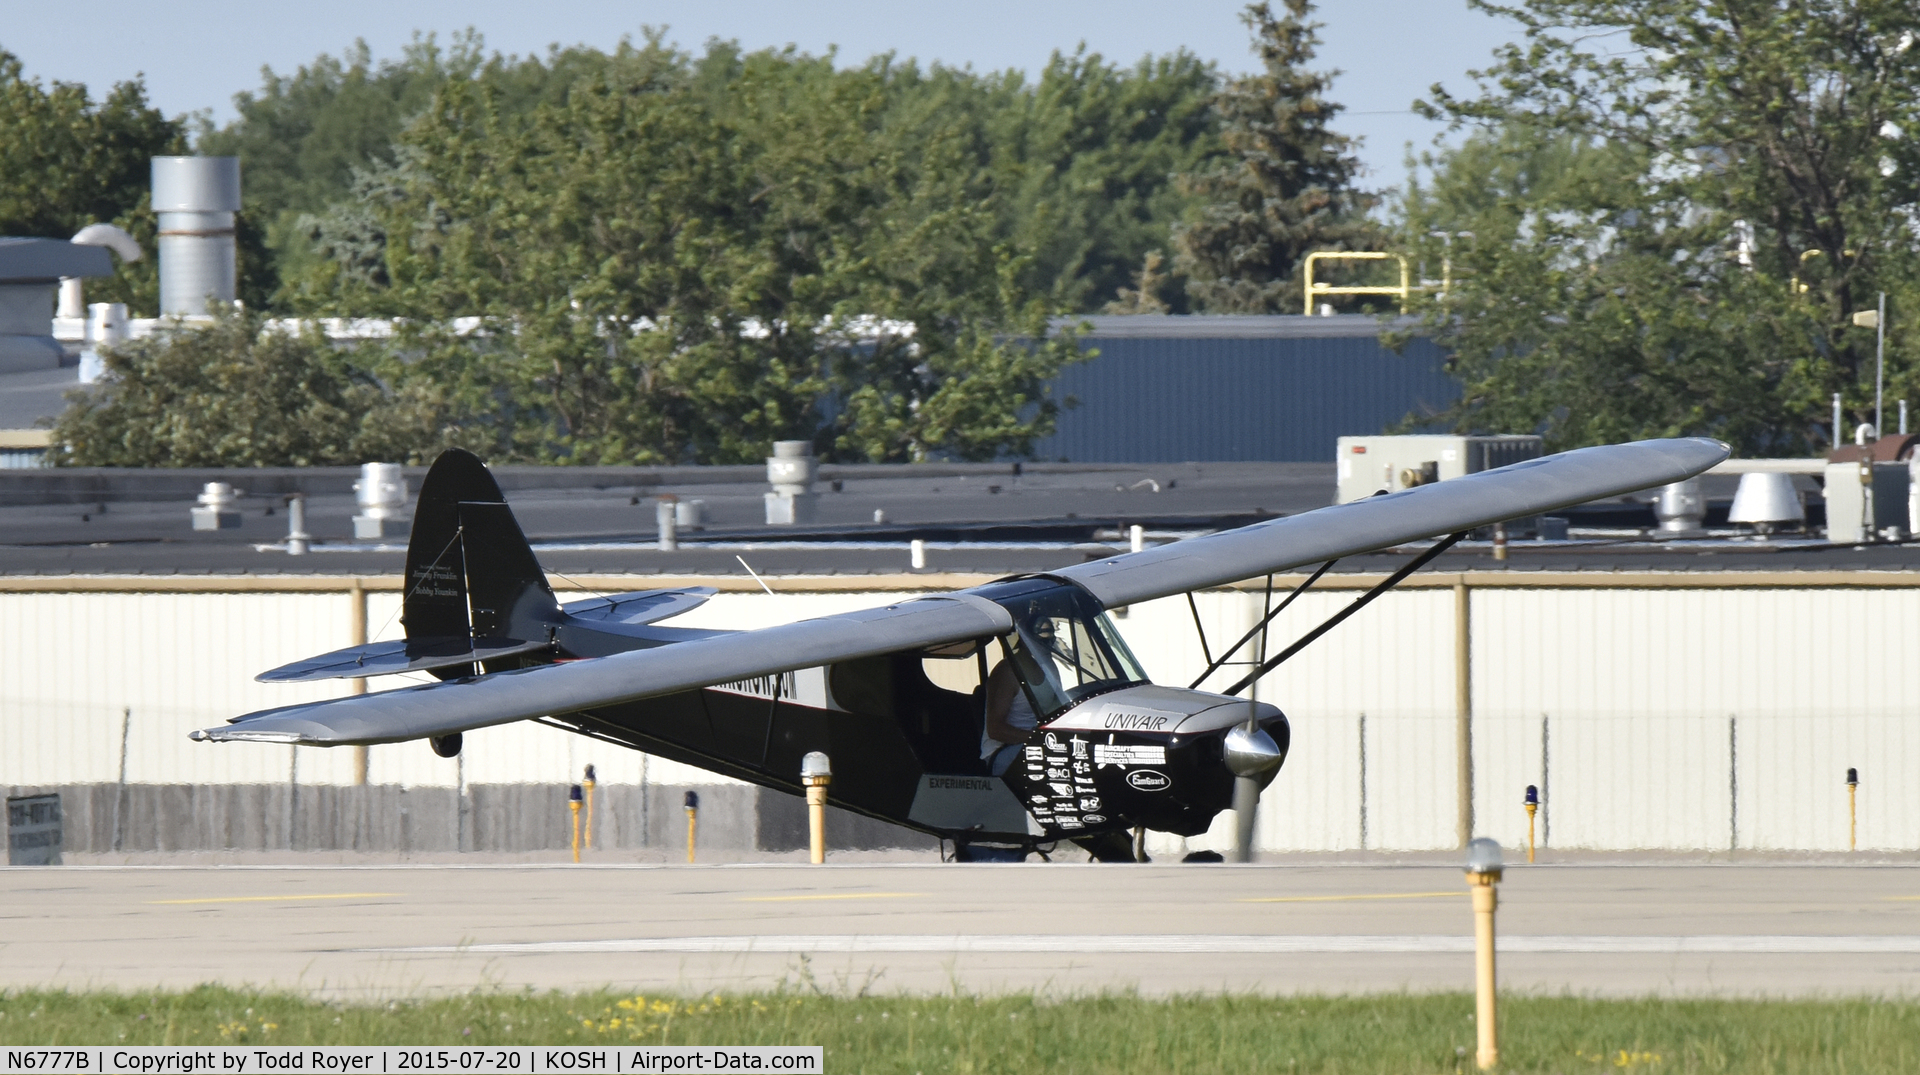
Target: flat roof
<point>977,519</point>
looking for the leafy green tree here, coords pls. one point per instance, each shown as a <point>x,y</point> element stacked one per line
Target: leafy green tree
<point>682,260</point>
<point>1285,186</point>
<point>240,392</point>
<point>67,161</point>
<point>646,255</point>
<point>1675,208</point>
<point>301,136</point>
<point>1080,158</point>
<point>1087,156</point>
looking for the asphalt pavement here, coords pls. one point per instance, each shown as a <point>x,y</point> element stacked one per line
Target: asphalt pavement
<point>381,931</point>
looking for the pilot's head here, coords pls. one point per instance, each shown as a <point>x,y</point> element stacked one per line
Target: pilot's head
<point>1039,623</point>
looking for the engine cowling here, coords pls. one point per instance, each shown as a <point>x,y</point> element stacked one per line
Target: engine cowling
<point>1145,755</point>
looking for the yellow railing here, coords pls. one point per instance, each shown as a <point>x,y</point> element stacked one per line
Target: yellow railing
<point>1313,290</point>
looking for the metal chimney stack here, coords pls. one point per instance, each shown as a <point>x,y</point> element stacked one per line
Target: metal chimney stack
<point>196,198</point>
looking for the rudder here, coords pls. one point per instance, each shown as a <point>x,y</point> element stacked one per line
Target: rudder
<point>470,571</point>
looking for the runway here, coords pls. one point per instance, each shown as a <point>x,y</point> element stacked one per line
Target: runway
<point>378,931</point>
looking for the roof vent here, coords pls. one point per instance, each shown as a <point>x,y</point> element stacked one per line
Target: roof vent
<point>381,494</point>
<point>1767,502</point>
<point>217,509</point>
<point>196,198</point>
<point>1681,509</point>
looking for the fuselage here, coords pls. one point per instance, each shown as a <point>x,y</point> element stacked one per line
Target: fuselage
<point>907,731</point>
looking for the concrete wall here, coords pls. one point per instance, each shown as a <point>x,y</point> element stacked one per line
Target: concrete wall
<point>1653,711</point>
<point>392,818</point>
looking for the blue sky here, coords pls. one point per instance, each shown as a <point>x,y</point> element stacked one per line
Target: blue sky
<point>196,54</point>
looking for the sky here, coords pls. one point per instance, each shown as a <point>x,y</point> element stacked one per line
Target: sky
<point>196,54</point>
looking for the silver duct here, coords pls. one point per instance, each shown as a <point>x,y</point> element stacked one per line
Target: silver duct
<point>196,198</point>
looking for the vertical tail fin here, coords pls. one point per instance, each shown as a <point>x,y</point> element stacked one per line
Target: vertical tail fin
<point>470,571</point>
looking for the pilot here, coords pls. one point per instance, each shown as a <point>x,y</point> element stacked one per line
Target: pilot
<point>1010,719</point>
<point>1010,716</point>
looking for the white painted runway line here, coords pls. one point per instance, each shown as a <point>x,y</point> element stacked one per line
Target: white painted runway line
<point>1178,943</point>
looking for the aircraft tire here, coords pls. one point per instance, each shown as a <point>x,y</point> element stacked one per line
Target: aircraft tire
<point>1116,846</point>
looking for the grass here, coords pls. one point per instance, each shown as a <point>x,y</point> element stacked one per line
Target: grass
<point>1025,1033</point>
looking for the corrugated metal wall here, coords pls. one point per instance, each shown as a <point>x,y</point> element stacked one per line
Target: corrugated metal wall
<point>1144,400</point>
<point>1699,718</point>
<point>80,669</point>
<point>1687,718</point>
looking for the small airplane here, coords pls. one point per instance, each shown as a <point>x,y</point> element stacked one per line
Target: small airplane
<point>1005,717</point>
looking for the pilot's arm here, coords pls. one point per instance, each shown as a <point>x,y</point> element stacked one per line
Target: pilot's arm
<point>1002,688</point>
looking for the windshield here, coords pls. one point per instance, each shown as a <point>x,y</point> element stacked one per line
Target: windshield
<point>1066,649</point>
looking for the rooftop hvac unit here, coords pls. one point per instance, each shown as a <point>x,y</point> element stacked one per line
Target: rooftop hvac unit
<point>1866,505</point>
<point>1369,465</point>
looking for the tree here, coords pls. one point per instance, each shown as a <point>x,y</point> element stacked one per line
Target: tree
<point>681,261</point>
<point>303,137</point>
<point>1079,160</point>
<point>1085,160</point>
<point>1284,187</point>
<point>238,392</point>
<point>67,161</point>
<point>1711,188</point>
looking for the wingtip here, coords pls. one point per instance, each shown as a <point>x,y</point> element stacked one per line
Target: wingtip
<point>1722,451</point>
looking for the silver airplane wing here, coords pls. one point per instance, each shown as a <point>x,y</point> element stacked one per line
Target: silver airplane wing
<point>481,701</point>
<point>1379,522</point>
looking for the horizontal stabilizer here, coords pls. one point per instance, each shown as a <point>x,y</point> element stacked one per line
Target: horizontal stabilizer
<point>459,705</point>
<point>403,655</point>
<point>644,606</point>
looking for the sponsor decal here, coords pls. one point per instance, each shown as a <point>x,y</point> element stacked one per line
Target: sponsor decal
<point>1111,754</point>
<point>1148,780</point>
<point>1058,784</point>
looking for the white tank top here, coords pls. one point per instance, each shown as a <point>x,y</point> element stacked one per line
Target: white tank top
<point>1019,715</point>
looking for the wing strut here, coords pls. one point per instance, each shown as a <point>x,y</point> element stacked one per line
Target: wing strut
<point>1339,617</point>
<point>1258,628</point>
<point>773,710</point>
